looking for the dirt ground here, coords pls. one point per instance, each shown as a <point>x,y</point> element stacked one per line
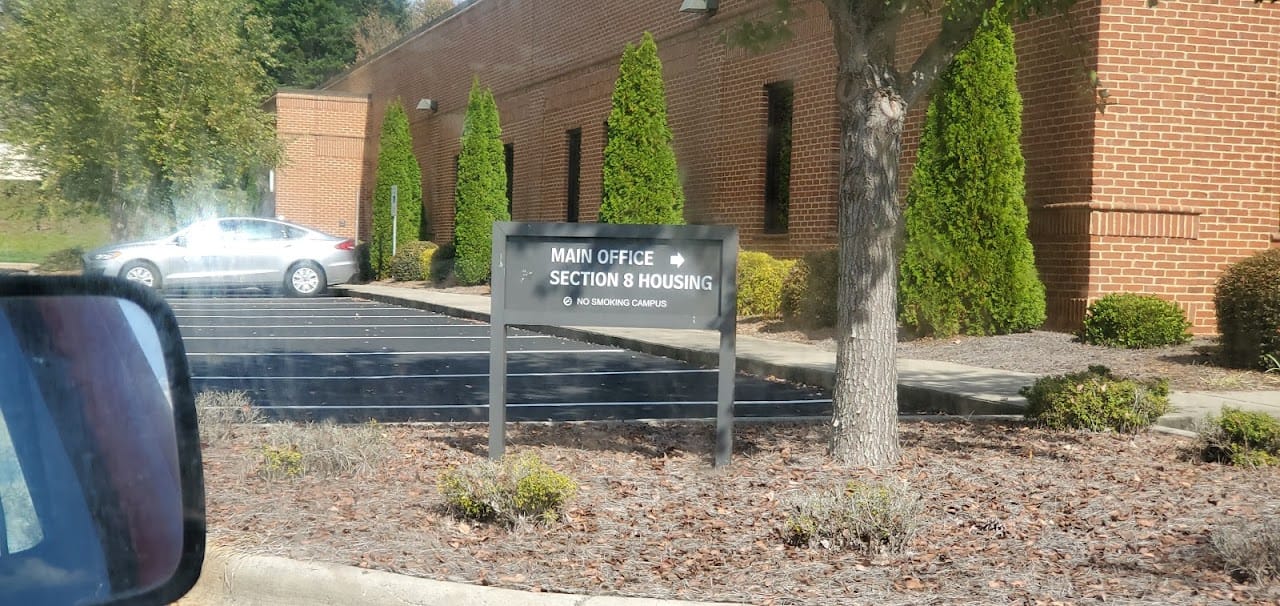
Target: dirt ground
<point>1012,514</point>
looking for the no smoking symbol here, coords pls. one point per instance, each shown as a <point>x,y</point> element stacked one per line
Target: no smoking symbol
<point>568,301</point>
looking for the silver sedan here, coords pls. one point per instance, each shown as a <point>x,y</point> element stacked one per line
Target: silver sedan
<point>233,252</point>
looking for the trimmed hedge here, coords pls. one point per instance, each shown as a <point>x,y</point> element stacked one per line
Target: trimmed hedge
<point>1096,400</point>
<point>760,282</point>
<point>1247,299</point>
<point>810,290</point>
<point>1134,321</point>
<point>412,261</point>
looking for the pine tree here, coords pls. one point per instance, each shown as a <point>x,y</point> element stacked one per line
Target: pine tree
<point>969,266</point>
<point>396,166</point>
<point>641,184</point>
<point>481,196</point>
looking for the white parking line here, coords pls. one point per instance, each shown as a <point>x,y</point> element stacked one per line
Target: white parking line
<point>347,316</point>
<point>266,326</point>
<point>357,338</point>
<point>532,405</point>
<point>466,376</point>
<point>405,353</point>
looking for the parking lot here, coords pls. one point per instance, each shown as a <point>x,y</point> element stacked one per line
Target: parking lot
<point>353,360</point>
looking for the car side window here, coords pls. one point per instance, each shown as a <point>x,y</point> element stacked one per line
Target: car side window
<point>258,230</point>
<point>209,232</point>
<point>294,233</point>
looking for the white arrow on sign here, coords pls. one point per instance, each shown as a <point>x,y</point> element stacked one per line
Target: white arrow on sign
<point>677,260</point>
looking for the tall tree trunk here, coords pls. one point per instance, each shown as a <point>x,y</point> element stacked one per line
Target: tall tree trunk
<point>872,111</point>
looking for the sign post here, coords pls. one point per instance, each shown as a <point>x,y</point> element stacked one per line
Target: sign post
<point>644,276</point>
<point>395,210</point>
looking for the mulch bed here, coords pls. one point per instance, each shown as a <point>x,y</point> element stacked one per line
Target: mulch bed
<point>1013,514</point>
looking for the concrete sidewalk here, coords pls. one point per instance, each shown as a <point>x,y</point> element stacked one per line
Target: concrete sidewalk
<point>924,386</point>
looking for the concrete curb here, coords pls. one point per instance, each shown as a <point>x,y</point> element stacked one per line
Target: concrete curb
<point>232,578</point>
<point>912,399</point>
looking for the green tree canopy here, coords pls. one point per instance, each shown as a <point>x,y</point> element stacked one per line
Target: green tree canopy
<point>150,110</point>
<point>481,191</point>
<point>640,182</point>
<point>398,166</point>
<point>317,38</point>
<point>968,265</point>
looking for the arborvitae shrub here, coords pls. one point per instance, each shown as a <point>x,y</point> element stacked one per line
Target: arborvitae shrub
<point>1247,299</point>
<point>1134,321</point>
<point>396,166</point>
<point>968,266</point>
<point>482,187</point>
<point>640,180</point>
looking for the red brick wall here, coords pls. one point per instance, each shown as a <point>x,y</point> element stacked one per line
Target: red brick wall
<point>324,139</point>
<point>1185,176</point>
<point>1175,180</point>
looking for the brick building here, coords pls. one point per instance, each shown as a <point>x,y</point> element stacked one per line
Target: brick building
<point>1174,181</point>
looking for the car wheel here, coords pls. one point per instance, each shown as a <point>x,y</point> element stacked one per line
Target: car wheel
<point>143,273</point>
<point>305,279</point>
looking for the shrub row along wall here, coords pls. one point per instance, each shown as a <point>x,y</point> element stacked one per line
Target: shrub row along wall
<point>1155,195</point>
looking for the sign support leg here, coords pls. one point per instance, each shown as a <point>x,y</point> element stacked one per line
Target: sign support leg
<point>498,391</point>
<point>724,404</point>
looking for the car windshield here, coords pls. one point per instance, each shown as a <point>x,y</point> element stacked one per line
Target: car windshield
<point>728,301</point>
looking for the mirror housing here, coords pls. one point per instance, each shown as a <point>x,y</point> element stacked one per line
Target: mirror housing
<point>101,488</point>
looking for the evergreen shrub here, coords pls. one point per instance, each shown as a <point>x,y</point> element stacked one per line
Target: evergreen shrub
<point>1247,300</point>
<point>1134,321</point>
<point>640,180</point>
<point>397,166</point>
<point>412,261</point>
<point>481,193</point>
<point>1243,438</point>
<point>760,281</point>
<point>1096,400</point>
<point>968,266</point>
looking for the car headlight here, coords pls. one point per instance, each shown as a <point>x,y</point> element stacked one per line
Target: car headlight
<point>106,256</point>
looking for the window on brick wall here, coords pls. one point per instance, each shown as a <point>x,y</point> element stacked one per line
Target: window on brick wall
<point>509,156</point>
<point>777,171</point>
<point>574,184</point>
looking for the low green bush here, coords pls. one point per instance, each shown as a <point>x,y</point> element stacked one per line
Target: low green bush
<point>1243,438</point>
<point>872,518</point>
<point>508,492</point>
<point>1250,549</point>
<point>1134,321</point>
<point>412,261</point>
<point>760,280</point>
<point>66,259</point>
<point>1096,400</point>
<point>809,294</point>
<point>441,267</point>
<point>1247,301</point>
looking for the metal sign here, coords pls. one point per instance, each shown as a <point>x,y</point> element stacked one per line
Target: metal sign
<point>578,274</point>
<point>395,207</point>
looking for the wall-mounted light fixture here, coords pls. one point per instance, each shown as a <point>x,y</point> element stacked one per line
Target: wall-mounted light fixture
<point>427,104</point>
<point>702,7</point>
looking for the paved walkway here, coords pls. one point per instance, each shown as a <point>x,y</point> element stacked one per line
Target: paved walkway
<point>923,385</point>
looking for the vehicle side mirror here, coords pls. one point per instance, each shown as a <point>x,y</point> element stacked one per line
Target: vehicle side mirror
<point>101,490</point>
<point>180,241</point>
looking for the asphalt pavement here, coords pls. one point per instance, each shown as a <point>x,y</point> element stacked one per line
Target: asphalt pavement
<point>353,360</point>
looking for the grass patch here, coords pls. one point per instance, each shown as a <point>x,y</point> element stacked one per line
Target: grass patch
<point>873,518</point>
<point>33,226</point>
<point>510,491</point>
<point>324,449</point>
<point>1251,550</point>
<point>220,414</point>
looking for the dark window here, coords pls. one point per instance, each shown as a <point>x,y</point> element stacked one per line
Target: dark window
<point>575,175</point>
<point>509,154</point>
<point>777,175</point>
